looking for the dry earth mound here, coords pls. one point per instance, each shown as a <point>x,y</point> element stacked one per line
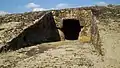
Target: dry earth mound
<point>103,50</point>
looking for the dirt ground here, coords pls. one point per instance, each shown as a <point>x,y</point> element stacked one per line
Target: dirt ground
<point>69,54</point>
<point>110,36</point>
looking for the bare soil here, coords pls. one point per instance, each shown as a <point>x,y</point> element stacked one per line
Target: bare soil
<point>69,54</point>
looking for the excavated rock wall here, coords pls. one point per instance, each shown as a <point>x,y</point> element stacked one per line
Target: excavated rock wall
<point>84,17</point>
<point>89,32</point>
<point>16,25</point>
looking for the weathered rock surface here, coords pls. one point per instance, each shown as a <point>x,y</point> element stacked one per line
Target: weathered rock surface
<point>84,16</point>
<point>74,54</point>
<point>89,33</point>
<point>43,30</point>
<point>16,25</point>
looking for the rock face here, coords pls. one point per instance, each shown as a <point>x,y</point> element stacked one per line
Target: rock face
<point>89,33</point>
<point>103,25</point>
<point>84,17</point>
<point>43,30</point>
<point>24,32</point>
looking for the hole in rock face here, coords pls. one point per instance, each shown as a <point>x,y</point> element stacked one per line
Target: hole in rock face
<point>71,29</point>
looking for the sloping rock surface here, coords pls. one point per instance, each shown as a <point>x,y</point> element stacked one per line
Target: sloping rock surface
<point>43,30</point>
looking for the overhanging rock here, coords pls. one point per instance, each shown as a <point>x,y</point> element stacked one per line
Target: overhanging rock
<point>43,30</point>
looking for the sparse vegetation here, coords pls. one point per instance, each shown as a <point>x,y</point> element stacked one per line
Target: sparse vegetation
<point>72,54</point>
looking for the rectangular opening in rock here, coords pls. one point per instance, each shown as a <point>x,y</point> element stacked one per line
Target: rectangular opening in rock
<point>71,29</point>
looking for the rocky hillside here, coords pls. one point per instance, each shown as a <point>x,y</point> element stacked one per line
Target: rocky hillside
<point>71,54</point>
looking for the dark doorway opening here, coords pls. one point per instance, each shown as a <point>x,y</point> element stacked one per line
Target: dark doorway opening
<point>71,29</point>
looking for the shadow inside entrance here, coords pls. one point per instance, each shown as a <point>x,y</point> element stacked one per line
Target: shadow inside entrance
<point>71,29</point>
